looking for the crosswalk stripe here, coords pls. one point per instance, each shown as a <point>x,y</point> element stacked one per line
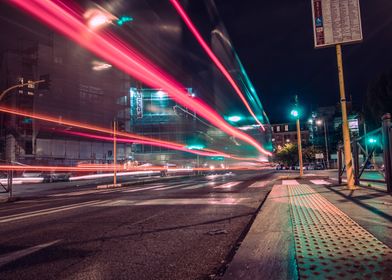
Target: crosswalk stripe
<point>142,189</point>
<point>197,186</point>
<point>258,184</point>
<point>227,185</point>
<point>290,182</point>
<point>170,187</point>
<point>320,182</point>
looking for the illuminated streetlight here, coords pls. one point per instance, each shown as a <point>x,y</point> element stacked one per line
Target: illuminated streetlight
<point>320,122</point>
<point>234,118</point>
<point>161,94</point>
<point>96,18</point>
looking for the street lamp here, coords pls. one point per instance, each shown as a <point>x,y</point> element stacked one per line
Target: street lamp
<point>320,122</point>
<point>296,114</point>
<point>29,83</point>
<point>97,18</point>
<point>234,118</point>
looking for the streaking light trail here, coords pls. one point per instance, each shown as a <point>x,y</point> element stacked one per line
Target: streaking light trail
<point>201,152</point>
<point>136,141</point>
<point>213,57</point>
<point>132,138</point>
<point>108,47</point>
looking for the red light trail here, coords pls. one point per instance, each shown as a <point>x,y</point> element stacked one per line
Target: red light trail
<point>63,19</point>
<point>213,57</point>
<point>210,153</point>
<point>204,152</point>
<point>134,137</point>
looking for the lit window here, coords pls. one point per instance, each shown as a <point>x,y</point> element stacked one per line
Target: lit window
<point>286,127</point>
<point>278,129</point>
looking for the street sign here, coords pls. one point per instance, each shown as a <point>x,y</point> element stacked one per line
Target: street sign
<point>139,104</point>
<point>336,22</point>
<point>319,156</point>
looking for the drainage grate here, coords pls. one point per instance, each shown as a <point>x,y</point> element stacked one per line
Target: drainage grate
<point>330,245</point>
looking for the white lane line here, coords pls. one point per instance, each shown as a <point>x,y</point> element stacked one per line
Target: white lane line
<point>22,253</point>
<point>170,187</point>
<point>227,185</point>
<point>47,211</point>
<point>289,182</point>
<point>320,182</point>
<point>176,201</point>
<point>142,189</point>
<point>259,184</point>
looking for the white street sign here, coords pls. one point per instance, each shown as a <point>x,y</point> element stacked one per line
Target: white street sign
<point>336,22</point>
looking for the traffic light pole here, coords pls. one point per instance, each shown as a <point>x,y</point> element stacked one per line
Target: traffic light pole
<point>114,154</point>
<point>346,133</point>
<point>19,86</point>
<point>301,165</point>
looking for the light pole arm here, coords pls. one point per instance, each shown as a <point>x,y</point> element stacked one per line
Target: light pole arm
<point>19,86</point>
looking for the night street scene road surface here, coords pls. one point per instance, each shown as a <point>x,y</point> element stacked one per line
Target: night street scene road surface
<point>180,139</point>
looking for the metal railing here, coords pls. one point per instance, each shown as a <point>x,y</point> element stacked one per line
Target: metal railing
<point>381,166</point>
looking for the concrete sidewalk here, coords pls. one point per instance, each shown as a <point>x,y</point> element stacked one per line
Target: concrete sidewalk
<point>318,232</point>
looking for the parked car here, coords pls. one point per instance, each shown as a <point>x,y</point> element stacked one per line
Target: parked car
<point>314,166</point>
<point>48,177</point>
<point>281,167</point>
<point>369,165</point>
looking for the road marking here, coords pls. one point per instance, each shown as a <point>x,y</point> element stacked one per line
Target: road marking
<point>170,187</point>
<point>199,186</point>
<point>258,184</point>
<point>176,201</point>
<point>227,185</point>
<point>22,253</point>
<point>143,189</point>
<point>289,182</point>
<point>47,211</point>
<point>320,182</point>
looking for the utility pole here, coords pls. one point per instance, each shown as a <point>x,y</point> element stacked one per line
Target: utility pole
<point>296,114</point>
<point>114,153</point>
<point>346,133</point>
<point>326,142</point>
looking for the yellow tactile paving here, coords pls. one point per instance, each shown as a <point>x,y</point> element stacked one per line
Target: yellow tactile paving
<point>330,245</point>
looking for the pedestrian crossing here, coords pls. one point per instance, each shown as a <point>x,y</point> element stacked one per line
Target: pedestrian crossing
<point>297,182</point>
<point>218,186</point>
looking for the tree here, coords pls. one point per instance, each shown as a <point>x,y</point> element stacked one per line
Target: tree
<point>378,99</point>
<point>288,155</point>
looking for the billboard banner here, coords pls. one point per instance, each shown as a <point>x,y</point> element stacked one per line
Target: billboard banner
<point>336,22</point>
<point>139,104</point>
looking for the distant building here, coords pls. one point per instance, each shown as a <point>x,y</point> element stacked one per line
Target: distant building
<point>78,91</point>
<point>285,133</point>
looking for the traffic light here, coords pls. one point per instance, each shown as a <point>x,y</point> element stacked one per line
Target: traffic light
<point>295,113</point>
<point>124,19</point>
<point>46,84</point>
<point>372,140</point>
<point>121,126</point>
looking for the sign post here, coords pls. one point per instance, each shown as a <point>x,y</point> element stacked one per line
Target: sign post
<point>337,22</point>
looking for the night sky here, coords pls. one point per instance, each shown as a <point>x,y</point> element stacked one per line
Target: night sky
<point>274,40</point>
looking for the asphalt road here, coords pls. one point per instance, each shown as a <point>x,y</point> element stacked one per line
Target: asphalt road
<point>170,229</point>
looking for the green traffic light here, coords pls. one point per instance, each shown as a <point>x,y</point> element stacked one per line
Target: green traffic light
<point>372,140</point>
<point>295,113</point>
<point>124,19</point>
